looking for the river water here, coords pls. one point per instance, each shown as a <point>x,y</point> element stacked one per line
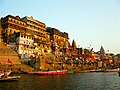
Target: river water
<point>79,81</point>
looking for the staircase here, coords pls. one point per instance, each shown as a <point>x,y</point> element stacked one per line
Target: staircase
<point>8,53</point>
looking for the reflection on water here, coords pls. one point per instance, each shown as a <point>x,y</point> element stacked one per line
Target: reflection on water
<point>80,81</point>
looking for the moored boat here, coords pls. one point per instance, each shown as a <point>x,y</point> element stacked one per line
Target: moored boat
<point>111,70</point>
<point>10,78</point>
<point>119,73</point>
<point>55,72</point>
<point>30,73</point>
<point>105,70</point>
<point>99,70</point>
<point>2,73</point>
<point>60,72</point>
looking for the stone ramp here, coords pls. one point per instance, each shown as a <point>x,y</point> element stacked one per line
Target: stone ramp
<point>13,59</point>
<point>7,53</point>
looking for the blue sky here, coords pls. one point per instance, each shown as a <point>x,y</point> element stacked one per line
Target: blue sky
<point>88,22</point>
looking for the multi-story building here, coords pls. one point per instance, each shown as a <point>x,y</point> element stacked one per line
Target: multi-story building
<point>60,38</point>
<point>25,45</point>
<point>13,29</point>
<point>0,31</point>
<point>38,31</point>
<point>12,25</point>
<point>26,35</point>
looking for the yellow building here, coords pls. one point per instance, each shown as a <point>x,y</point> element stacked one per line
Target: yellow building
<point>38,31</point>
<point>12,25</point>
<point>26,35</point>
<point>0,32</point>
<point>59,37</point>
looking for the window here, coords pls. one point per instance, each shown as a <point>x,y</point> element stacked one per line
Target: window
<point>10,24</point>
<point>10,31</point>
<point>21,48</point>
<point>21,35</point>
<point>13,20</point>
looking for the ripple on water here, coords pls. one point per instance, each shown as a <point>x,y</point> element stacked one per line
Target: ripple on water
<point>80,81</point>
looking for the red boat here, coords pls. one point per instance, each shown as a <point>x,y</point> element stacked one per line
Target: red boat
<point>57,72</point>
<point>60,72</point>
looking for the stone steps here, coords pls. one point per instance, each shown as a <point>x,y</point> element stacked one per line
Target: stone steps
<point>8,53</point>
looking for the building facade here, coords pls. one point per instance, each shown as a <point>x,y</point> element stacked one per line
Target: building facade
<point>60,38</point>
<point>24,45</point>
<point>29,36</point>
<point>12,25</point>
<point>0,31</point>
<point>38,32</point>
<point>26,35</point>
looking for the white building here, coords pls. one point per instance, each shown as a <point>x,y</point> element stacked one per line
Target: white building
<point>25,45</point>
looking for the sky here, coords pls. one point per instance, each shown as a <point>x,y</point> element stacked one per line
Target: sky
<point>91,23</point>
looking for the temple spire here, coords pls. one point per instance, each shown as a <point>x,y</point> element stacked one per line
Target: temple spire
<point>102,52</point>
<point>74,45</point>
<point>102,56</point>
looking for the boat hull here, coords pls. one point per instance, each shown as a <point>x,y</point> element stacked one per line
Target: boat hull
<point>10,78</point>
<point>107,70</point>
<point>119,73</point>
<point>57,72</point>
<point>2,73</point>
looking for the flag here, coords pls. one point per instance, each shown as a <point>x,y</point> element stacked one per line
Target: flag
<point>91,49</point>
<point>9,62</point>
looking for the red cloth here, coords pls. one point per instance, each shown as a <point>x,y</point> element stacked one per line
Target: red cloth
<point>9,62</point>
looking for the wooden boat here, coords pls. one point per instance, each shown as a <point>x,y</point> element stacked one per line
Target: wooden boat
<point>111,70</point>
<point>56,72</point>
<point>96,70</point>
<point>10,78</point>
<point>106,70</point>
<point>119,73</point>
<point>70,71</point>
<point>60,72</point>
<point>2,73</point>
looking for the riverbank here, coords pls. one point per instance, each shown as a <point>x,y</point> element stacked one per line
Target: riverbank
<point>16,68</point>
<point>27,68</point>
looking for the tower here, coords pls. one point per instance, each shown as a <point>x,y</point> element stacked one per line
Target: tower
<point>102,56</point>
<point>65,47</point>
<point>74,45</point>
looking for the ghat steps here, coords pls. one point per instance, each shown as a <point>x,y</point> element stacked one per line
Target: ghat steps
<point>7,53</point>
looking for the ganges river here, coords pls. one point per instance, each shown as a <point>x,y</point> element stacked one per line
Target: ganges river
<point>79,81</point>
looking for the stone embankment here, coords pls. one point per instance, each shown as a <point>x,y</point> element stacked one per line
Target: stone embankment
<point>52,63</point>
<point>9,59</point>
<point>7,53</point>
